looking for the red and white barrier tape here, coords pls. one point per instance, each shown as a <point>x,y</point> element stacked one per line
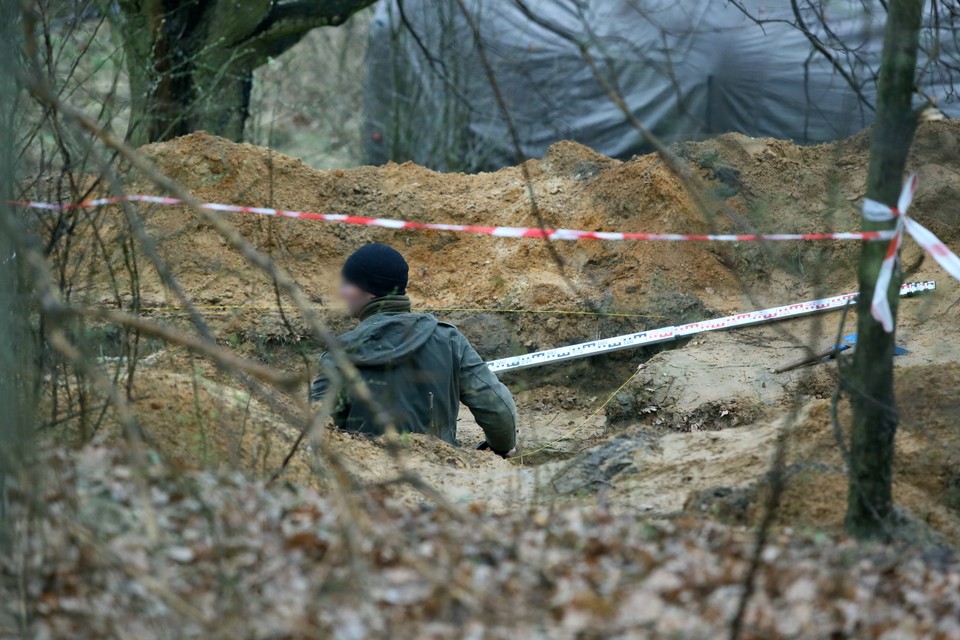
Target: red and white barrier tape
<point>878,212</point>
<point>872,210</point>
<point>500,232</point>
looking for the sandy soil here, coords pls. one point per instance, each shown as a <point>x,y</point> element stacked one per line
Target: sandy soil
<point>694,429</point>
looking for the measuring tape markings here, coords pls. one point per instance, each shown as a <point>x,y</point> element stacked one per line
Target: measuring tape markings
<point>665,334</point>
<point>585,349</point>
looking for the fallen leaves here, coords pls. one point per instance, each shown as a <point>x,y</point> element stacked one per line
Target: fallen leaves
<point>238,558</point>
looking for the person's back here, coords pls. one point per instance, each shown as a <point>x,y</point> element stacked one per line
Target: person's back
<point>417,368</point>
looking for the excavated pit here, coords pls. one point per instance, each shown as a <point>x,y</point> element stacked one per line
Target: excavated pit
<point>694,429</point>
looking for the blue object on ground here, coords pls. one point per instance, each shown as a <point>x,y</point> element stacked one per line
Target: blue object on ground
<point>850,341</point>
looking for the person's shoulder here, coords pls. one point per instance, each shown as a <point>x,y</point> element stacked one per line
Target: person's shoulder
<point>448,328</point>
<point>350,336</point>
<point>450,333</point>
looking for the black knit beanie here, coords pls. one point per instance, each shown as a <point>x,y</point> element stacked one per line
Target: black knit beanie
<point>377,269</point>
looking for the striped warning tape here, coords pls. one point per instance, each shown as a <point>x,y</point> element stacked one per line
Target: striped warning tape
<point>666,334</point>
<point>872,210</point>
<point>878,212</point>
<point>499,232</point>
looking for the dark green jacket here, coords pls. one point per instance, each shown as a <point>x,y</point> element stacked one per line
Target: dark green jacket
<point>420,370</point>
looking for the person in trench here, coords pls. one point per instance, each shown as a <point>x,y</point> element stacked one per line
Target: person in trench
<point>418,368</point>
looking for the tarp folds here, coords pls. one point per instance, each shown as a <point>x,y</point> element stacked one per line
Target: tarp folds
<point>686,70</point>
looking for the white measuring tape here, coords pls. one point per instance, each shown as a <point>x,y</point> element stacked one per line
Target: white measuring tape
<point>665,334</point>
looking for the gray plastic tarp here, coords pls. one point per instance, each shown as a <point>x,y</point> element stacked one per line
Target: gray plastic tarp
<point>684,69</point>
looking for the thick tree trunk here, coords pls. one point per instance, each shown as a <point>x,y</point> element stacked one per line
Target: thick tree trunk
<point>182,77</point>
<point>16,365</point>
<point>165,107</point>
<point>191,63</point>
<point>871,383</point>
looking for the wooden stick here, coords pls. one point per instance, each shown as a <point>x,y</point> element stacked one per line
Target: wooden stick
<point>813,358</point>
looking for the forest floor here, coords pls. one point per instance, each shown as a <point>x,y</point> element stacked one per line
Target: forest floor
<point>641,478</point>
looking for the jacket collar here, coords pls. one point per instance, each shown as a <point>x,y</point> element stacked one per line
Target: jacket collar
<point>386,304</point>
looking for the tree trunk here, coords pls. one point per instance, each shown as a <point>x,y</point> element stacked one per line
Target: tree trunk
<point>191,64</point>
<point>16,365</point>
<point>165,107</point>
<point>871,382</point>
<point>180,82</point>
